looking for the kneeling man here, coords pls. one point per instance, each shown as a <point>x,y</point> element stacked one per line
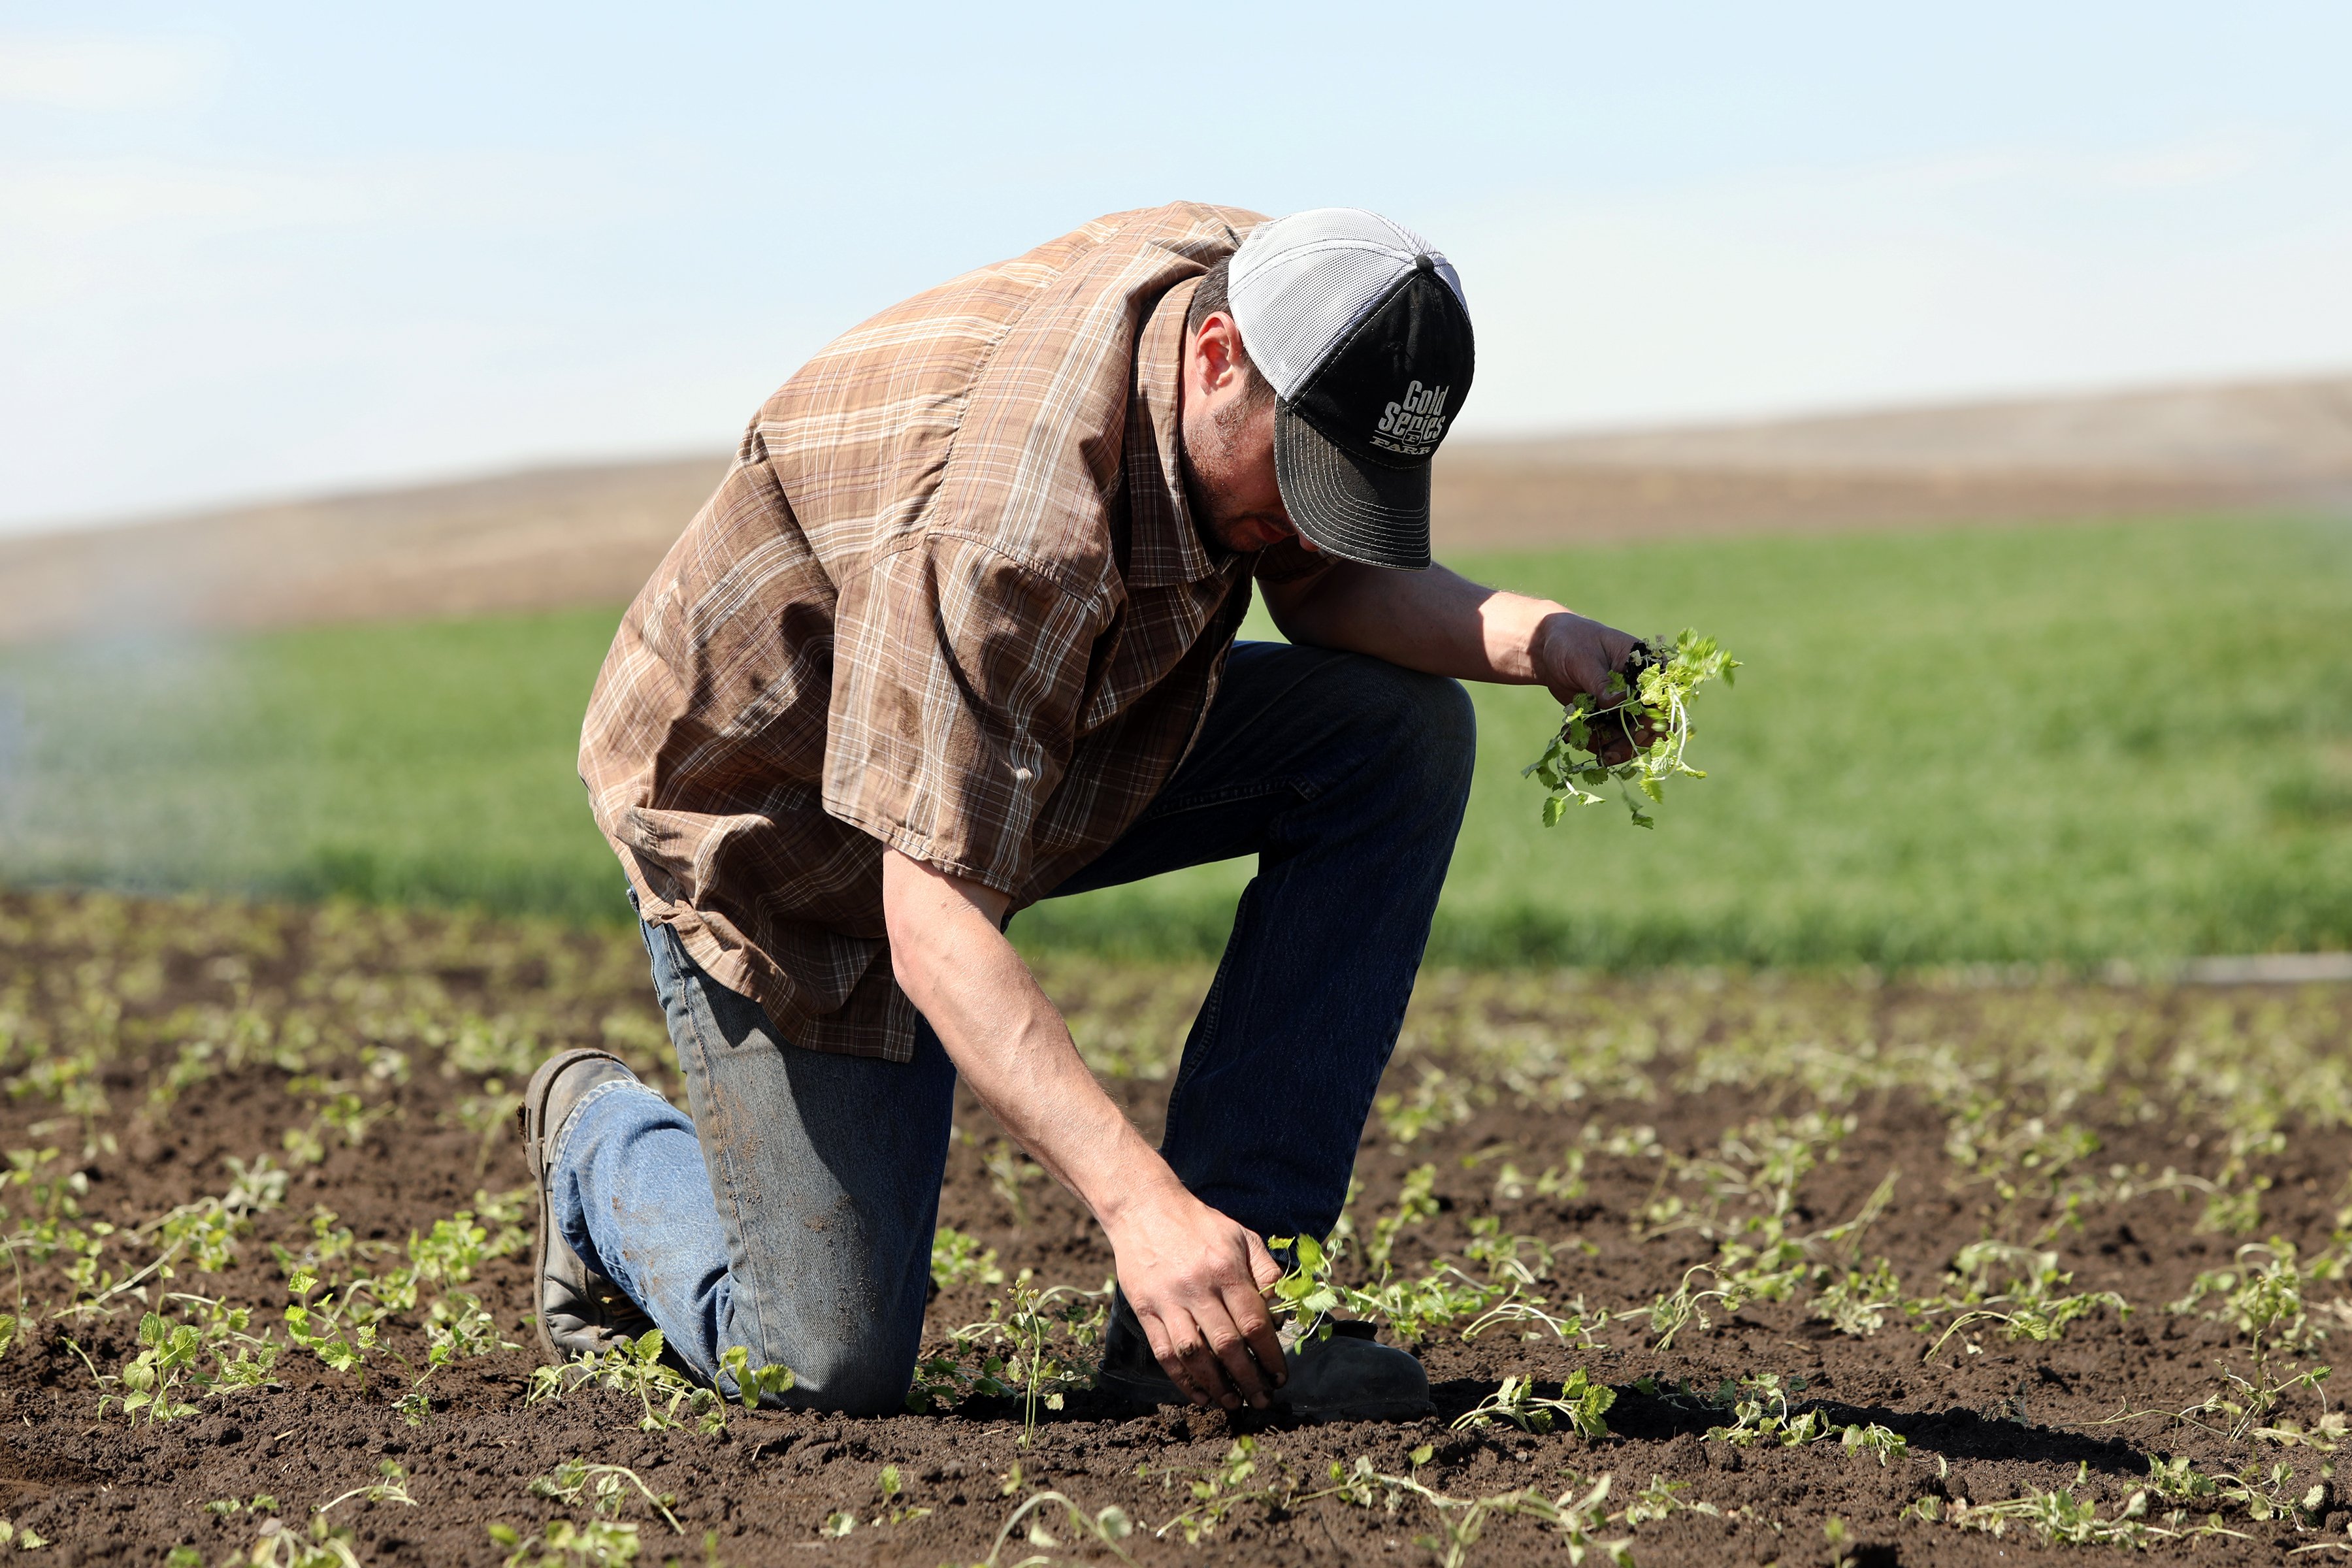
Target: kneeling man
<point>955,635</point>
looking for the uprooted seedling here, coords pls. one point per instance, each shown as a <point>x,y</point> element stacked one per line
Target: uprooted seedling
<point>1646,706</point>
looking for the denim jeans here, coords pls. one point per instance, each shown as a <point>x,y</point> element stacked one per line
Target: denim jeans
<point>791,1212</point>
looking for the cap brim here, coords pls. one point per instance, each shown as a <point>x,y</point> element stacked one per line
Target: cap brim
<point>1353,510</point>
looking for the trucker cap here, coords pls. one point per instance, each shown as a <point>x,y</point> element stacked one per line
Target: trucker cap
<point>1362,329</point>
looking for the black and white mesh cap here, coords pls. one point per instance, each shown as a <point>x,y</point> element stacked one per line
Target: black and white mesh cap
<point>1362,330</point>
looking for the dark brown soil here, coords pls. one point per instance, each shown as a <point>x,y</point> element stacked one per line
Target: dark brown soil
<point>263,1015</point>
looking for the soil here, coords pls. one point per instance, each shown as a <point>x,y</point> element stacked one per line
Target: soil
<point>260,1015</point>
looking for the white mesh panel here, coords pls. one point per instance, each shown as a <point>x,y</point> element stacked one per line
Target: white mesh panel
<point>1300,284</point>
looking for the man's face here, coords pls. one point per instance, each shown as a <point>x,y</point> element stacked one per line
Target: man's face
<point>1229,443</point>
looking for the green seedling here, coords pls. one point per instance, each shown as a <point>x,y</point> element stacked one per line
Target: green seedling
<point>890,1484</point>
<point>1040,1345</point>
<point>2260,1495</point>
<point>1106,1527</point>
<point>606,1488</point>
<point>1008,1172</point>
<point>2031,1306</point>
<point>327,1326</point>
<point>1306,1293</point>
<point>1230,1483</point>
<point>753,1383</point>
<point>175,1362</point>
<point>599,1543</point>
<point>1857,1301</point>
<point>667,1398</point>
<point>1440,1100</point>
<point>1760,1414</point>
<point>2062,1516</point>
<point>1579,1517</point>
<point>325,1544</point>
<point>1416,1205</point>
<point>1648,704</point>
<point>260,1503</point>
<point>2263,1298</point>
<point>1581,1402</point>
<point>958,1259</point>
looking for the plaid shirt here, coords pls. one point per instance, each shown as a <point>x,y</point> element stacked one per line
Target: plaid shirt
<point>950,599</point>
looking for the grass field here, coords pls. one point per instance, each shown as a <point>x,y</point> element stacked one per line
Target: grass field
<point>2060,745</point>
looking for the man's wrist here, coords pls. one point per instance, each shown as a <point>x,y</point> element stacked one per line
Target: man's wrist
<point>1546,620</point>
<point>1146,1185</point>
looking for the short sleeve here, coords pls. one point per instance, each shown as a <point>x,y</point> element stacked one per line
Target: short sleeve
<point>960,676</point>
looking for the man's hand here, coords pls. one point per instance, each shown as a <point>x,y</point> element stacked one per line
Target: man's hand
<point>1192,1274</point>
<point>1196,1281</point>
<point>1573,656</point>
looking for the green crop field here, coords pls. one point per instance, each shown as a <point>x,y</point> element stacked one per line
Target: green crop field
<point>2017,745</point>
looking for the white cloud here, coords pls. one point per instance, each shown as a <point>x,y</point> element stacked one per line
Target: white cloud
<point>79,198</point>
<point>105,74</point>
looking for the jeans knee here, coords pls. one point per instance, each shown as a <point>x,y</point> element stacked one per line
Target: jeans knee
<point>1432,731</point>
<point>852,1379</point>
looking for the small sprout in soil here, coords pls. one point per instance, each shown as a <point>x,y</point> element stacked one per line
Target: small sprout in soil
<point>1106,1527</point>
<point>1217,1491</point>
<point>1647,703</point>
<point>667,1398</point>
<point>958,1259</point>
<point>1581,1402</point>
<point>606,1488</point>
<point>1663,1497</point>
<point>2028,1307</point>
<point>892,1486</point>
<point>1039,1344</point>
<point>753,1384</point>
<point>260,1503</point>
<point>2062,1516</point>
<point>1761,1414</point>
<point>20,1537</point>
<point>599,1543</point>
<point>1008,1172</point>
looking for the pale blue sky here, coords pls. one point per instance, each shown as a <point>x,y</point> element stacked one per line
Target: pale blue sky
<point>250,249</point>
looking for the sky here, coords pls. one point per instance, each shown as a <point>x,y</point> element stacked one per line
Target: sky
<point>256,249</point>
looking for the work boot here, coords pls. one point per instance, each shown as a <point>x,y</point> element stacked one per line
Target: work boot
<point>580,1310</point>
<point>1349,1376</point>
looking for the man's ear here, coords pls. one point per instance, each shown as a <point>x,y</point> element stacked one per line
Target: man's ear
<point>1217,352</point>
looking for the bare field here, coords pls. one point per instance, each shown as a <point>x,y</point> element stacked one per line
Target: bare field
<point>1816,1272</point>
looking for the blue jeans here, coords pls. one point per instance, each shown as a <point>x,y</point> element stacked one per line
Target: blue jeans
<point>792,1212</point>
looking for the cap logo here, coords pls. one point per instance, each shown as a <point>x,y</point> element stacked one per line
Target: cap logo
<point>1414,424</point>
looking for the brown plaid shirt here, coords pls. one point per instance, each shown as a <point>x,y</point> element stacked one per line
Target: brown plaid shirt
<point>950,599</point>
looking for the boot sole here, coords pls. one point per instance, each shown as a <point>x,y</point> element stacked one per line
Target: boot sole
<point>532,1113</point>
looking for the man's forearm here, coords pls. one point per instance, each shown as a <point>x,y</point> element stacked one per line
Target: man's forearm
<point>1008,1041</point>
<point>1441,623</point>
<point>1436,621</point>
<point>1193,1276</point>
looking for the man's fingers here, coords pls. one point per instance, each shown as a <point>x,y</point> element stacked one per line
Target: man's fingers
<point>1262,1267</point>
<point>1201,1363</point>
<point>1258,1333</point>
<point>1186,1356</point>
<point>1164,1350</point>
<point>1233,1352</point>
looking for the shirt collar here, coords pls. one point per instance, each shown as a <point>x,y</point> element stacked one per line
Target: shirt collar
<point>1164,546</point>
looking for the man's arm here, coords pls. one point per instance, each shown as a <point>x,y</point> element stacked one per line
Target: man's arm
<point>1192,1275</point>
<point>1442,623</point>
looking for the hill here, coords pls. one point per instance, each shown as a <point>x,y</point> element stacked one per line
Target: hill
<point>554,537</point>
